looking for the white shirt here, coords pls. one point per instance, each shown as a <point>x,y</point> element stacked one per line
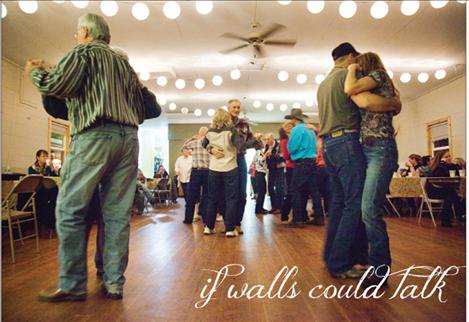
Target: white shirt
<point>183,166</point>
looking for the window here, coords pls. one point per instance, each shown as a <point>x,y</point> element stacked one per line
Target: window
<point>439,135</point>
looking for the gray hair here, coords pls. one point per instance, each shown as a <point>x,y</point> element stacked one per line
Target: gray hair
<point>97,27</point>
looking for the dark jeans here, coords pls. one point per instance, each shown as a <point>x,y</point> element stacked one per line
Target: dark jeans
<point>303,183</point>
<point>199,179</point>
<point>381,162</point>
<point>253,185</point>
<point>276,187</point>
<point>184,186</point>
<point>261,189</point>
<point>287,201</point>
<point>323,184</point>
<point>451,198</point>
<point>242,182</point>
<point>346,242</point>
<point>219,184</point>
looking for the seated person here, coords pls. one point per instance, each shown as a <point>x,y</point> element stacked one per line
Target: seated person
<point>440,167</point>
<point>460,163</point>
<point>409,168</point>
<point>161,173</point>
<point>423,170</point>
<point>40,166</point>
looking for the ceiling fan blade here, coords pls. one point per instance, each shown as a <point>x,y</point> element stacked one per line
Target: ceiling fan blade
<point>289,43</point>
<point>259,52</point>
<point>272,30</point>
<point>227,51</point>
<point>234,36</point>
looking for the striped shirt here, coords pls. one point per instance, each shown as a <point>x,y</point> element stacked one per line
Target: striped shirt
<point>97,84</point>
<point>200,156</point>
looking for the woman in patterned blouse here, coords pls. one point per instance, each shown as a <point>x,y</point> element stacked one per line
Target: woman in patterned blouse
<point>379,147</point>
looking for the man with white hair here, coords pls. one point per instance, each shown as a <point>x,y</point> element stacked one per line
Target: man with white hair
<point>105,106</point>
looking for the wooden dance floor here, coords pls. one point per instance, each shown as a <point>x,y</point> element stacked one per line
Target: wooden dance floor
<point>167,272</point>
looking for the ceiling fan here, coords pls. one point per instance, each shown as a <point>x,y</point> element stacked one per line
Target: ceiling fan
<point>257,39</point>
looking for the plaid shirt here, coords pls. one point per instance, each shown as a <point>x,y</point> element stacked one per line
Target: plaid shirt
<point>200,156</point>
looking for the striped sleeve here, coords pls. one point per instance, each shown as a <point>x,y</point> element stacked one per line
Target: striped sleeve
<point>67,77</point>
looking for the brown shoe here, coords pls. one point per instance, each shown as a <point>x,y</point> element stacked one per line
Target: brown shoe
<point>59,295</point>
<point>351,273</point>
<point>119,295</point>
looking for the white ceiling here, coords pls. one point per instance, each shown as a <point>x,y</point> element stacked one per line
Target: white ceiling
<point>188,47</point>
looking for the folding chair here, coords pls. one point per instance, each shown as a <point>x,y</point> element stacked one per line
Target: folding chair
<point>29,184</point>
<point>162,191</point>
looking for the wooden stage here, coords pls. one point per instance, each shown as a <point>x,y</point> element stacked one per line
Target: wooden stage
<point>166,275</point>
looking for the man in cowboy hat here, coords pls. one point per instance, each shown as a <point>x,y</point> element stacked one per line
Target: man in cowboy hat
<point>303,151</point>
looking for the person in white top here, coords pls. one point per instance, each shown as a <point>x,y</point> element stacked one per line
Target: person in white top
<point>183,168</point>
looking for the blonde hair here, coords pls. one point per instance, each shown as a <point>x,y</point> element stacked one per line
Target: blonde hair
<point>369,62</point>
<point>221,119</point>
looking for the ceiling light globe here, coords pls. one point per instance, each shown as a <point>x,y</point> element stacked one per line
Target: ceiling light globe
<point>204,7</point>
<point>161,81</point>
<point>347,9</point>
<point>269,107</point>
<point>109,8</point>
<point>282,76</point>
<point>235,74</point>
<point>199,83</point>
<point>217,80</point>
<point>198,112</point>
<point>172,106</point>
<point>438,4</point>
<point>409,7</point>
<point>140,11</point>
<point>379,9</point>
<point>405,78</point>
<point>171,10</point>
<point>184,110</point>
<point>81,4</point>
<point>210,112</point>
<point>283,107</point>
<point>423,77</point>
<point>256,104</point>
<point>440,74</point>
<point>180,83</point>
<point>28,7</point>
<point>319,78</point>
<point>144,76</point>
<point>301,78</point>
<point>315,6</point>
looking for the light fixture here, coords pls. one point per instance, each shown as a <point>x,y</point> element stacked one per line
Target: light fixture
<point>347,9</point>
<point>199,83</point>
<point>296,105</point>
<point>319,78</point>
<point>269,107</point>
<point>284,2</point>
<point>140,11</point>
<point>405,77</point>
<point>198,112</point>
<point>204,7</point>
<point>309,102</point>
<point>217,80</point>
<point>440,74</point>
<point>423,77</point>
<point>162,101</point>
<point>256,104</point>
<point>283,107</point>
<point>4,11</point>
<point>210,112</point>
<point>235,74</point>
<point>409,7</point>
<point>172,106</point>
<point>180,83</point>
<point>184,110</point>
<point>224,108</point>
<point>162,81</point>
<point>301,78</point>
<point>438,4</point>
<point>171,10</point>
<point>315,6</point>
<point>81,4</point>
<point>109,8</point>
<point>144,76</point>
<point>390,73</point>
<point>461,1</point>
<point>28,6</point>
<point>379,9</point>
<point>59,1</point>
<point>282,76</point>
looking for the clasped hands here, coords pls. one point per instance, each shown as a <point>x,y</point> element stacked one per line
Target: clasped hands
<point>33,64</point>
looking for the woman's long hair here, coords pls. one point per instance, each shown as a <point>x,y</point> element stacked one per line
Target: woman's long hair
<point>221,119</point>
<point>369,62</point>
<point>38,154</point>
<point>436,160</point>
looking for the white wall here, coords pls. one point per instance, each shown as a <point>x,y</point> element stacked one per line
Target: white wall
<point>448,100</point>
<point>24,121</point>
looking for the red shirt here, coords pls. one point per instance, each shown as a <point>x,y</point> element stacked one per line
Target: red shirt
<point>319,160</point>
<point>286,154</point>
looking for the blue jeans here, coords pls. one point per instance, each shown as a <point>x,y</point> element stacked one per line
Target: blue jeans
<point>260,184</point>
<point>199,179</point>
<point>276,187</point>
<point>222,185</point>
<point>242,181</point>
<point>381,159</point>
<point>106,154</point>
<point>346,242</point>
